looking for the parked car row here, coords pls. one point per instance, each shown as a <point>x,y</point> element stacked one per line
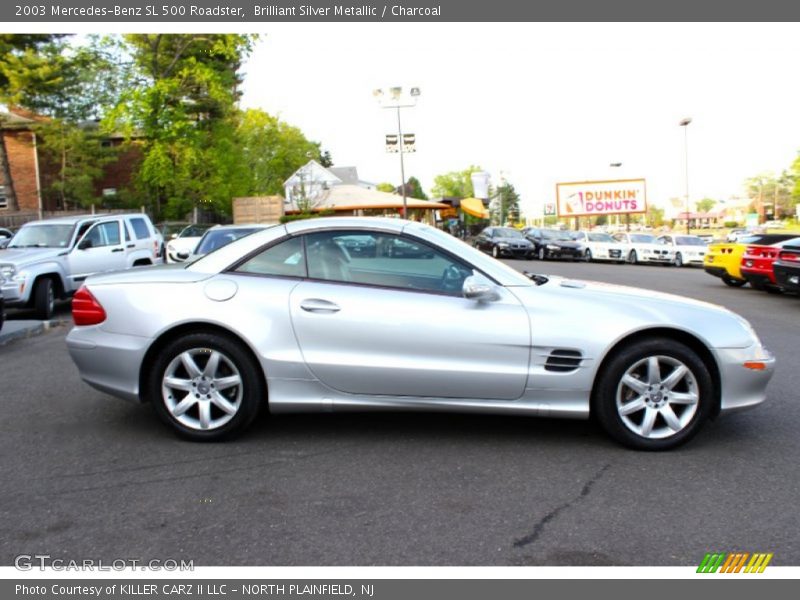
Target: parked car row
<point>633,248</point>
<point>758,260</point>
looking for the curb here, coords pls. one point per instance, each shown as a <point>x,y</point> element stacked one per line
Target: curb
<point>26,330</point>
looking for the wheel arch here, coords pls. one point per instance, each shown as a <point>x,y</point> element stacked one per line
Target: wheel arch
<point>678,335</point>
<point>190,328</point>
<point>59,291</point>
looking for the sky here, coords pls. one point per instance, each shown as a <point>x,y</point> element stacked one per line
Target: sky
<point>540,104</point>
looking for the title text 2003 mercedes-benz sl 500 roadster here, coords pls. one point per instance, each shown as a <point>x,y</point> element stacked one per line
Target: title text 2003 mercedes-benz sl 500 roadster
<point>288,319</point>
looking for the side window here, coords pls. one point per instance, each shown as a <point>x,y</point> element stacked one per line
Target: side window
<point>285,259</point>
<point>383,260</point>
<point>104,234</point>
<point>140,228</point>
<point>127,231</point>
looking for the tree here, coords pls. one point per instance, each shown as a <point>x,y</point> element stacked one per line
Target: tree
<point>385,187</point>
<point>457,184</point>
<point>182,105</point>
<point>705,205</point>
<point>508,203</point>
<point>325,159</point>
<point>414,189</point>
<point>772,195</point>
<point>272,150</point>
<point>655,216</point>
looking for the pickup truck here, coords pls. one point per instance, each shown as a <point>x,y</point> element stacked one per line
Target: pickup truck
<point>50,259</point>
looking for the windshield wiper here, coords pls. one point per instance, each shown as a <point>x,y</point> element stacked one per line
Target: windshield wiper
<point>536,278</point>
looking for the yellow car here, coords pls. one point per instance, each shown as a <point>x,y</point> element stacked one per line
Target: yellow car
<point>725,260</point>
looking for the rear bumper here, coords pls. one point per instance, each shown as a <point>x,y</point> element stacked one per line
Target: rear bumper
<point>787,277</point>
<point>109,362</point>
<point>759,278</point>
<point>715,271</point>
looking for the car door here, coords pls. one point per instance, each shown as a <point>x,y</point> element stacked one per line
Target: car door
<point>100,249</point>
<point>484,240</point>
<point>386,326</point>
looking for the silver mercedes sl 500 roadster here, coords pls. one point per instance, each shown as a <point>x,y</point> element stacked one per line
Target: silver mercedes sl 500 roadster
<point>336,314</point>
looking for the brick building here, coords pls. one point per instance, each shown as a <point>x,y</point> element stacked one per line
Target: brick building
<point>27,174</point>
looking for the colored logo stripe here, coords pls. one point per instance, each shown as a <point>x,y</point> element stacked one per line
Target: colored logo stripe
<point>734,562</point>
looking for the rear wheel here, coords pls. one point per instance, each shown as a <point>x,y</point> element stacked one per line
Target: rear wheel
<point>654,395</point>
<point>44,299</point>
<point>206,387</point>
<point>728,280</point>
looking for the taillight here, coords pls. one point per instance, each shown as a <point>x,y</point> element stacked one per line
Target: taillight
<point>86,310</point>
<point>790,256</point>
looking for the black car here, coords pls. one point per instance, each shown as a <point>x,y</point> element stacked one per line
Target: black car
<point>552,243</point>
<point>787,269</point>
<point>504,241</point>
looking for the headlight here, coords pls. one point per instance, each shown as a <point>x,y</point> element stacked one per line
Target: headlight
<point>553,247</point>
<point>502,245</point>
<point>7,271</point>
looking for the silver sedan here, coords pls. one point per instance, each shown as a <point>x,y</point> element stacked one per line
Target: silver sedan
<point>290,319</point>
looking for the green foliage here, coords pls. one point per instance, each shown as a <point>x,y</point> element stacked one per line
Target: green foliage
<point>385,187</point>
<point>654,216</point>
<point>456,184</point>
<point>80,156</point>
<point>271,150</point>
<point>508,204</point>
<point>325,159</point>
<point>414,189</point>
<point>307,215</point>
<point>705,205</point>
<point>773,194</point>
<point>181,104</point>
<point>731,224</point>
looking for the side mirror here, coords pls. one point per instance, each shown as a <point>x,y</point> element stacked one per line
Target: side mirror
<point>85,244</point>
<point>174,236</point>
<point>479,289</point>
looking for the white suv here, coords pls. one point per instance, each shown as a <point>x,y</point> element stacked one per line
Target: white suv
<point>50,259</point>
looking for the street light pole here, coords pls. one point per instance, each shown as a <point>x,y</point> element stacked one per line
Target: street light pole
<point>685,124</point>
<point>397,101</point>
<point>402,165</point>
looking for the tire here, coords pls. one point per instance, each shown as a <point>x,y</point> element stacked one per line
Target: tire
<point>773,289</point>
<point>495,252</point>
<point>678,260</point>
<point>728,280</point>
<point>588,255</point>
<point>757,286</point>
<point>44,299</point>
<point>542,253</point>
<point>616,405</point>
<point>633,258</point>
<point>226,413</point>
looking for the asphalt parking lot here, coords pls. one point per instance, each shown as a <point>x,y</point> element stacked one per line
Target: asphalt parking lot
<point>88,476</point>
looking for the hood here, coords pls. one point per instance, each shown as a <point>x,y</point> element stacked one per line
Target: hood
<point>562,243</point>
<point>22,257</point>
<point>512,240</point>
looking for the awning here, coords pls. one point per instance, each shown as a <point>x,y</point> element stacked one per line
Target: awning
<point>474,207</point>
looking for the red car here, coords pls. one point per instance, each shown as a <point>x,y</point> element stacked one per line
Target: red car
<point>757,264</point>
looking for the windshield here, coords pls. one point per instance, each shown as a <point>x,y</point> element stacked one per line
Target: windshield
<point>685,240</point>
<point>194,231</point>
<point>507,232</point>
<point>600,237</point>
<point>217,238</point>
<point>551,234</point>
<point>641,238</point>
<point>42,236</point>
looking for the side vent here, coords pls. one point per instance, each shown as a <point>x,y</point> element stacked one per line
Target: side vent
<point>563,361</point>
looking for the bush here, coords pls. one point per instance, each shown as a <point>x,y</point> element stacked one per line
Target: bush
<point>731,224</point>
<point>299,217</point>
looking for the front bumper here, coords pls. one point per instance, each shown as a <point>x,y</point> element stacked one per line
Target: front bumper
<point>743,387</point>
<point>15,293</point>
<point>109,362</point>
<point>521,252</point>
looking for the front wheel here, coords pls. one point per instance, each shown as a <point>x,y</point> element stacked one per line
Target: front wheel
<point>495,252</point>
<point>542,254</point>
<point>44,299</point>
<point>678,260</point>
<point>653,395</point>
<point>632,258</point>
<point>205,386</point>
<point>588,255</point>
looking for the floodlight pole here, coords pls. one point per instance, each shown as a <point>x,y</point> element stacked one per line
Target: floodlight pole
<point>402,165</point>
<point>685,124</point>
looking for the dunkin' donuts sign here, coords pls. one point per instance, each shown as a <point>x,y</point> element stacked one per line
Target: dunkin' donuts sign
<point>592,198</point>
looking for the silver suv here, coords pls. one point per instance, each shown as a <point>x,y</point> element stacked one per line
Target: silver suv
<point>50,259</point>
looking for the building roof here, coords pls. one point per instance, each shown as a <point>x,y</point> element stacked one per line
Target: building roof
<point>354,197</point>
<point>14,120</point>
<point>348,175</point>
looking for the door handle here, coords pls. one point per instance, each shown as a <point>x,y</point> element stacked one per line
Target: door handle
<point>318,305</point>
<point>117,249</point>
<point>130,245</point>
